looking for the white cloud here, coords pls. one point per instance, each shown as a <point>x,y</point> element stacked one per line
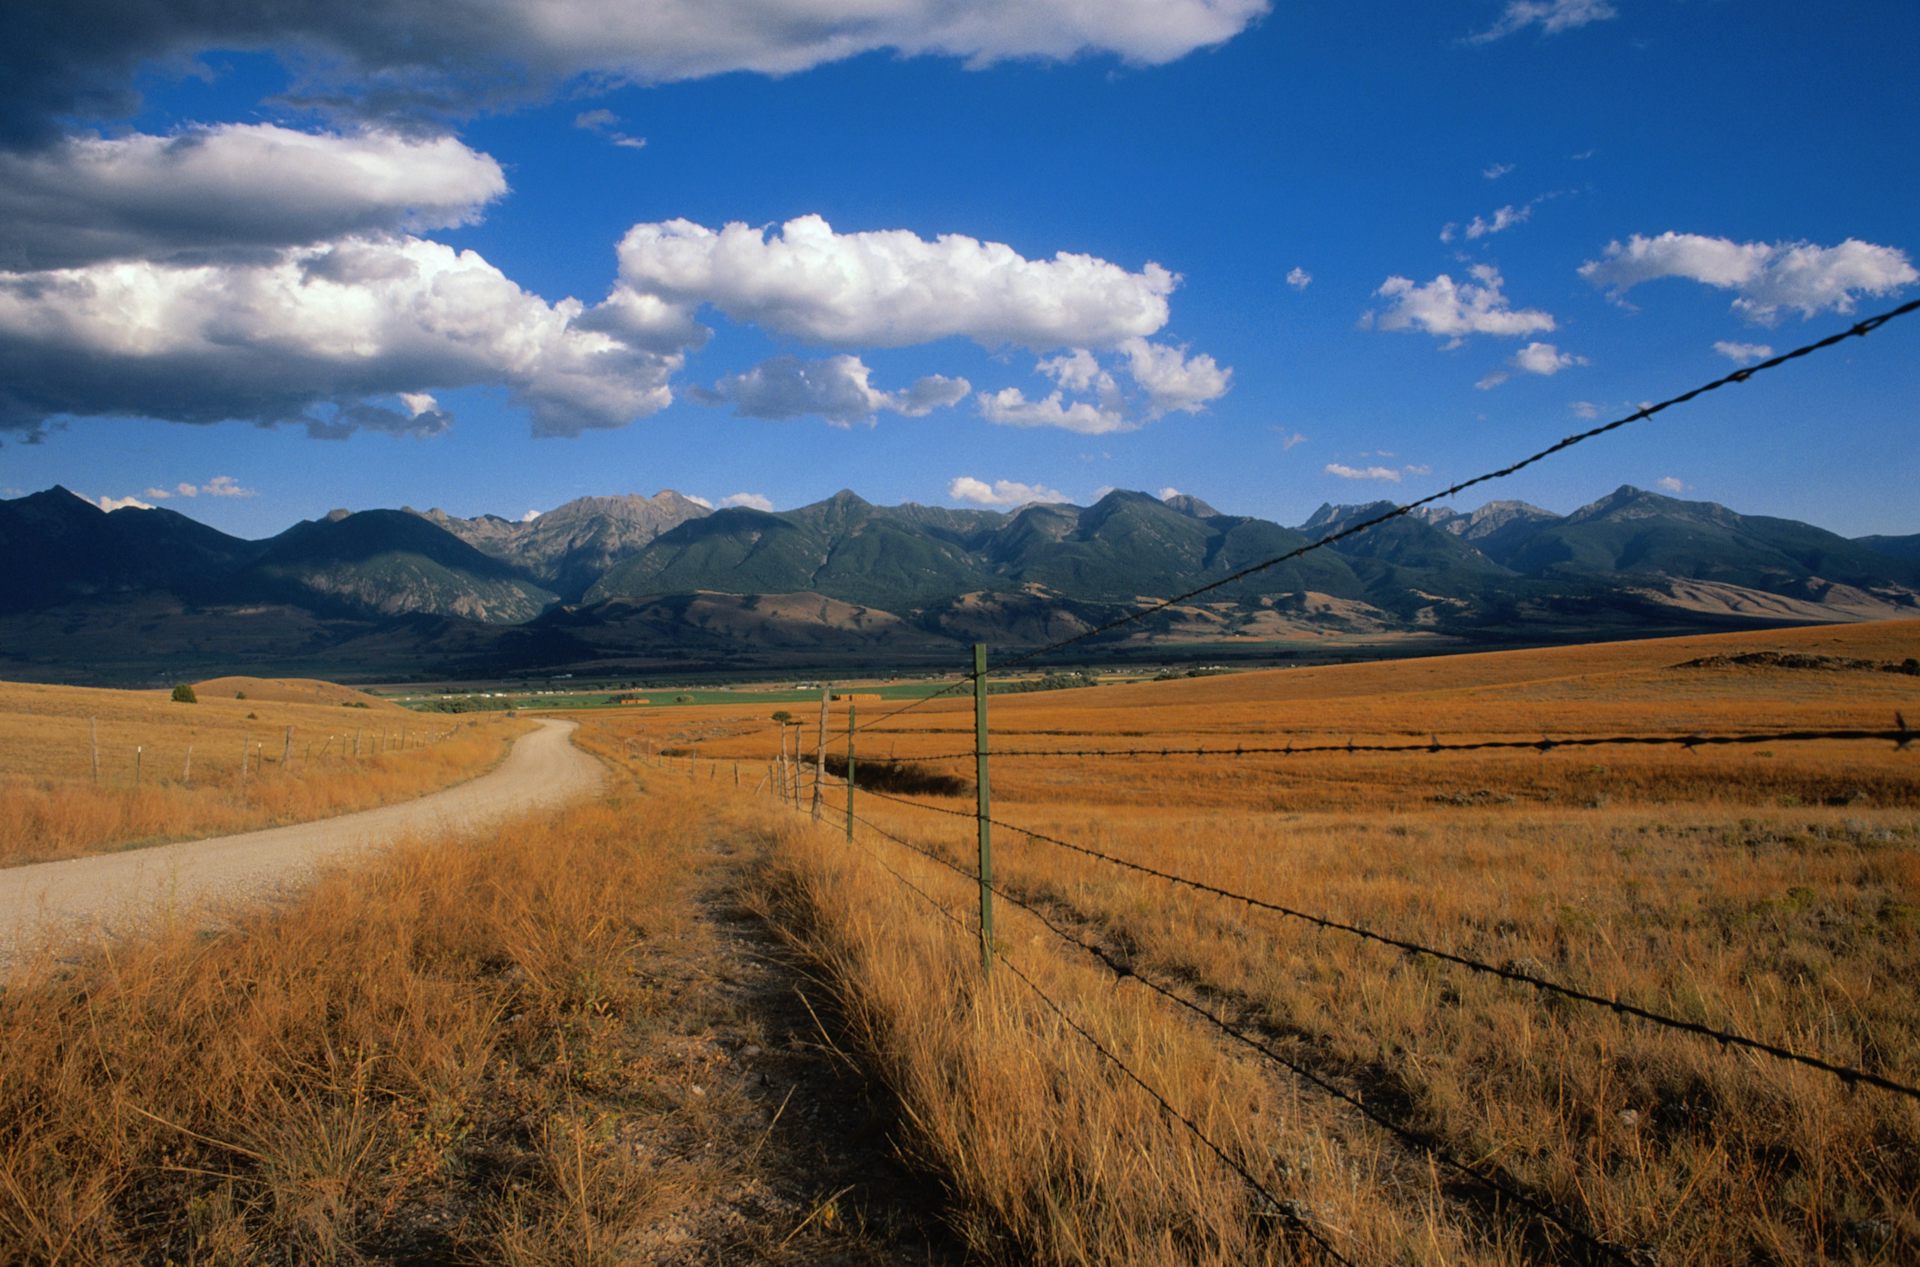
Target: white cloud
<point>1010,407</point>
<point>605,123</point>
<point>966,488</point>
<point>1172,381</point>
<point>111,504</point>
<point>1077,370</point>
<point>1494,171</point>
<point>1742,353</point>
<point>752,501</point>
<point>1667,483</point>
<point>321,336</point>
<point>1299,278</point>
<point>1585,409</point>
<point>1453,310</point>
<point>1552,16</point>
<point>1544,359</point>
<point>698,500</point>
<point>1418,469</point>
<point>1345,472</point>
<point>530,516</point>
<point>1288,439</point>
<point>1500,221</point>
<point>891,287</point>
<point>229,192</point>
<point>410,55</point>
<point>218,486</point>
<point>837,389</point>
<point>1492,379</point>
<point>1765,276</point>
<point>1169,493</point>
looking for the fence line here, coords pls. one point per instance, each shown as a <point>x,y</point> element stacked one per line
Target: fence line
<point>1123,971</point>
<point>1286,1211</point>
<point>1900,736</point>
<point>1726,1038</point>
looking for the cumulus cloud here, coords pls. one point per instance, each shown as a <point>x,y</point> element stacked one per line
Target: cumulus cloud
<point>837,389</point>
<point>1545,359</point>
<point>1159,379</point>
<point>1171,381</point>
<point>752,501</point>
<point>1010,407</point>
<point>1453,310</point>
<point>1742,353</point>
<point>1169,493</point>
<point>323,336</point>
<point>1551,16</point>
<point>1299,278</point>
<point>1668,484</point>
<point>891,287</point>
<point>218,486</point>
<point>530,516</point>
<point>1346,472</point>
<point>111,504</point>
<point>606,123</point>
<point>80,56</point>
<point>235,191</point>
<point>1765,277</point>
<point>966,488</point>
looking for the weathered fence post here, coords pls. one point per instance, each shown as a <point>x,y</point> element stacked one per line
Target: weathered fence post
<point>286,751</point>
<point>243,761</point>
<point>850,708</point>
<point>136,764</point>
<point>820,754</point>
<point>983,804</point>
<point>186,771</point>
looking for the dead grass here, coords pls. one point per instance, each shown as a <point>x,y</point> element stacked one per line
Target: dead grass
<point>1771,892</point>
<point>172,771</point>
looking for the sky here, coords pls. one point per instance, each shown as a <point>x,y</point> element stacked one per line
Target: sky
<point>258,262</point>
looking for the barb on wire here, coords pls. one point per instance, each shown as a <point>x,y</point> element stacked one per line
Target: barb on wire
<point>1900,736</point>
<point>1847,1074</point>
<point>1859,329</point>
<point>1417,1139</point>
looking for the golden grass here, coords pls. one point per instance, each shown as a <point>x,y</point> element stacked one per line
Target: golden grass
<point>1716,886</point>
<point>171,770</point>
<point>459,1053</point>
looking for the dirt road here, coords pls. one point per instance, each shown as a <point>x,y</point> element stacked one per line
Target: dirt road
<point>110,892</point>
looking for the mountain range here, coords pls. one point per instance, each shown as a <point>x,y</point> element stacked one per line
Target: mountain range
<point>648,583</point>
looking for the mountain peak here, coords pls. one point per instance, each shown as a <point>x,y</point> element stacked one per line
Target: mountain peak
<point>1187,504</point>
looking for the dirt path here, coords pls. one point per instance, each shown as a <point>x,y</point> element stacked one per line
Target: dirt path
<point>107,892</point>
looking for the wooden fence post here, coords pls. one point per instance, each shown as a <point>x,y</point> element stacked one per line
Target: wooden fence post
<point>820,754</point>
<point>93,736</point>
<point>286,751</point>
<point>983,804</point>
<point>136,763</point>
<point>186,771</point>
<point>850,708</point>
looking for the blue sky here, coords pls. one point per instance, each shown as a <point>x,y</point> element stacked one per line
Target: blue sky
<point>254,253</point>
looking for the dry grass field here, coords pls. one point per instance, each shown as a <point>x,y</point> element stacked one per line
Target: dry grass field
<point>1770,891</point>
<point>170,770</point>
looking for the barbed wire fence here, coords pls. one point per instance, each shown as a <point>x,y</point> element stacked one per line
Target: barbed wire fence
<point>1120,968</point>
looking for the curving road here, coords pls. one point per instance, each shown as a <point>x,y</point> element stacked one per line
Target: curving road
<point>109,892</point>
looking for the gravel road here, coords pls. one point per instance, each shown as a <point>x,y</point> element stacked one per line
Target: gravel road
<point>108,893</point>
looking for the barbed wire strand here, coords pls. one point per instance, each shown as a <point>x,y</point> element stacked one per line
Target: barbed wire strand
<point>1726,1038</point>
<point>1901,736</point>
<point>1859,329</point>
<point>1284,1210</point>
<point>1407,1135</point>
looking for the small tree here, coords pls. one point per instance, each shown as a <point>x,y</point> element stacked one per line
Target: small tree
<point>183,694</point>
<point>783,717</point>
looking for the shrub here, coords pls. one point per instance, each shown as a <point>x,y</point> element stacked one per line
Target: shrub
<point>183,694</point>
